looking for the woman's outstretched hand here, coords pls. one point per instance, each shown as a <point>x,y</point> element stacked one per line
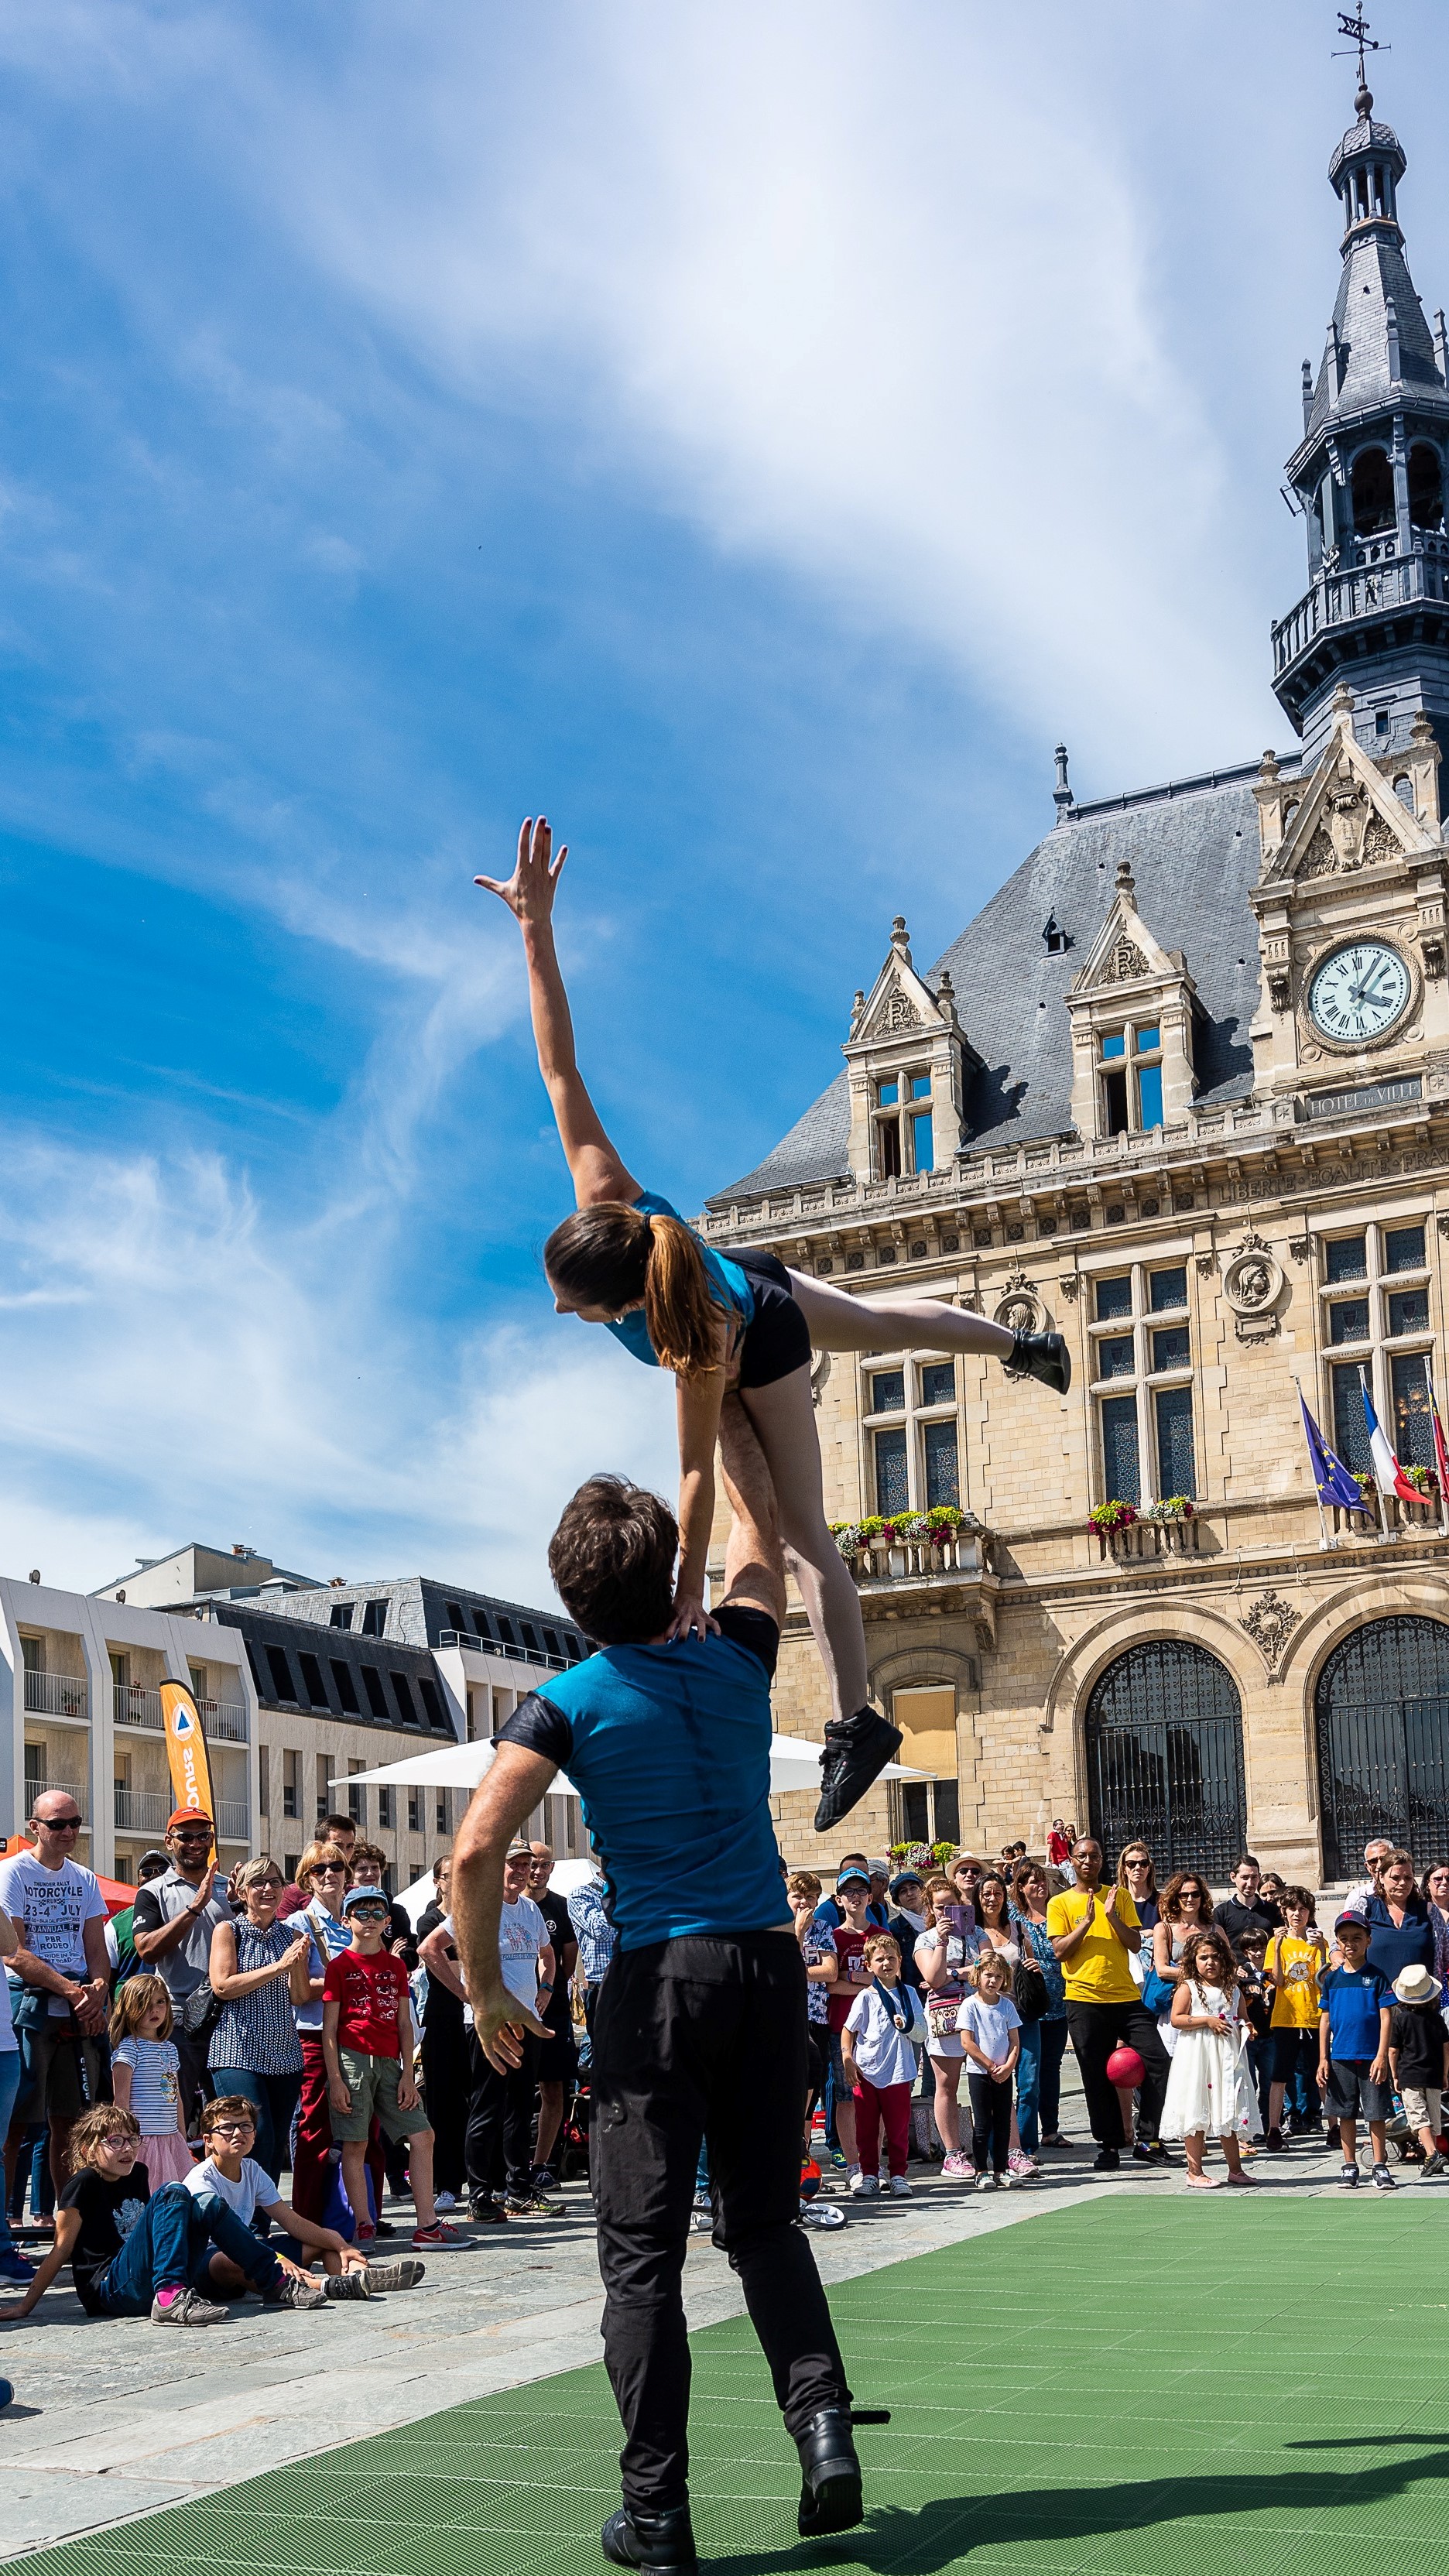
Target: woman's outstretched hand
<point>691,1619</point>
<point>529,892</point>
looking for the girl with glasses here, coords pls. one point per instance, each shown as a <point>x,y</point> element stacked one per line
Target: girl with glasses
<point>254,2048</point>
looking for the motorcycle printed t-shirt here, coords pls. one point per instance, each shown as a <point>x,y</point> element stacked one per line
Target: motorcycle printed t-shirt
<point>108,2212</point>
<point>850,1951</point>
<point>368,1993</point>
<point>48,1908</point>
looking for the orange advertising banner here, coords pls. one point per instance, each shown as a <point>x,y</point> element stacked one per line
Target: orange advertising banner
<point>186,1749</point>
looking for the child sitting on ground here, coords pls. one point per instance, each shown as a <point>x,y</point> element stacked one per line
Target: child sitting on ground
<point>990,2031</point>
<point>1353,2051</point>
<point>231,2173</point>
<point>134,2256</point>
<point>1419,2058</point>
<point>145,2072</point>
<point>883,2030</point>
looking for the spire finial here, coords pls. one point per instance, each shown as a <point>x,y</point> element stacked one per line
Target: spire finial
<point>1360,42</point>
<point>1126,882</point>
<point>1062,796</point>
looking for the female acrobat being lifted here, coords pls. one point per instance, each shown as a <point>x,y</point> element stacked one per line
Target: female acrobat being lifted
<point>628,1261</point>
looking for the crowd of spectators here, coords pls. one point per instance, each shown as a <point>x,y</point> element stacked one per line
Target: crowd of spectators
<point>221,2034</point>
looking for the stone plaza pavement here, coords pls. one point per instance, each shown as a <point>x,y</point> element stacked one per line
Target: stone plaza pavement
<point>113,2419</point>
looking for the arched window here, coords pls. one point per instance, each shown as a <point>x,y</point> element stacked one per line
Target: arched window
<point>1373,492</point>
<point>1382,1708</point>
<point>1426,487</point>
<point>1165,1757</point>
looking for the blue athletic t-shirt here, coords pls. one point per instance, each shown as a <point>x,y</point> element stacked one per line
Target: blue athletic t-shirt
<point>669,1750</point>
<point>728,1285</point>
<point>1352,1998</point>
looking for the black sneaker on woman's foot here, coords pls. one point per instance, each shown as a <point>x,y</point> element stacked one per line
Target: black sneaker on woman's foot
<point>857,1750</point>
<point>1043,1356</point>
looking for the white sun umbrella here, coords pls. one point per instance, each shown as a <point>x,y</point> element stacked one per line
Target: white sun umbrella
<point>794,1764</point>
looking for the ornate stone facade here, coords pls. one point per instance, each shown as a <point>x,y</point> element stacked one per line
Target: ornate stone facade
<point>1181,1093</point>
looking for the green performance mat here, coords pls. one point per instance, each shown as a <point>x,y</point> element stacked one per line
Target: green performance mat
<point>1151,2387</point>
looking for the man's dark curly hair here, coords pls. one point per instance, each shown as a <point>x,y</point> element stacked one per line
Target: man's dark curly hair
<point>612,1561</point>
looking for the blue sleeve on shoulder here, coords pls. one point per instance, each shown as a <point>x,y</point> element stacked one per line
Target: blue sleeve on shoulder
<point>540,1726</point>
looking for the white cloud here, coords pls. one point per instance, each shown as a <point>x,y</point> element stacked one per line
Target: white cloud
<point>174,1362</point>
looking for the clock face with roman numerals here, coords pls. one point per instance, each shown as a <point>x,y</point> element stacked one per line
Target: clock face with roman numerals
<point>1359,992</point>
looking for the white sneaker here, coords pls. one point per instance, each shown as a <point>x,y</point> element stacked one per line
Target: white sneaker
<point>443,2201</point>
<point>900,2188</point>
<point>865,2186</point>
<point>854,2180</point>
<point>986,2182</point>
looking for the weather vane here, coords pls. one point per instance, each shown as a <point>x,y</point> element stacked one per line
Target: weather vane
<point>1360,42</point>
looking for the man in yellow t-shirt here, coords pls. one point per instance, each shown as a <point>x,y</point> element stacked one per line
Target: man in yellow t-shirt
<point>1095,1937</point>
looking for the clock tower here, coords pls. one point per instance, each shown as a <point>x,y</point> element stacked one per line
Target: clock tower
<point>1350,911</point>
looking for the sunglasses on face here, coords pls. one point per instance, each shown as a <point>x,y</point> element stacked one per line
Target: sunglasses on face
<point>60,1824</point>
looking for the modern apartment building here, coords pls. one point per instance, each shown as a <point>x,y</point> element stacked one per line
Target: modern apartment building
<point>80,1710</point>
<point>347,1678</point>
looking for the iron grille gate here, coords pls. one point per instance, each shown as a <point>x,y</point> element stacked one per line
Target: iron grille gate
<point>1165,1758</point>
<point>1382,1709</point>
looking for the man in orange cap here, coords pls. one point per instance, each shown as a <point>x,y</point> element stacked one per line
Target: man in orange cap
<point>172,1922</point>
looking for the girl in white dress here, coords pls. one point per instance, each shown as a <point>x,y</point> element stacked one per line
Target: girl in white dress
<point>1210,2087</point>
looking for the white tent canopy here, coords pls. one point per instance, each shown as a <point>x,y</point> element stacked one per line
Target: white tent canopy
<point>794,1764</point>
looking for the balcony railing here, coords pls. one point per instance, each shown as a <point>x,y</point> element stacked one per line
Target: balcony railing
<point>223,1721</point>
<point>1388,1516</point>
<point>882,1560</point>
<point>57,1694</point>
<point>1152,1539</point>
<point>514,1654</point>
<point>1339,598</point>
<point>142,1811</point>
<point>55,1789</point>
<point>233,1821</point>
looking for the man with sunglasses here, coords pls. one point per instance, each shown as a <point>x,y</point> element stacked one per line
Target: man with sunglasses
<point>172,1922</point>
<point>60,1977</point>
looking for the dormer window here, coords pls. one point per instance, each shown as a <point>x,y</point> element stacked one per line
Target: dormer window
<point>904,1126</point>
<point>1131,1079</point>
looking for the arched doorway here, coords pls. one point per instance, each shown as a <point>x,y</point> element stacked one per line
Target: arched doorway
<point>1165,1757</point>
<point>1382,1707</point>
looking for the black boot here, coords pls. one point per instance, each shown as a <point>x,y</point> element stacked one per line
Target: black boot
<point>661,2543</point>
<point>1044,1356</point>
<point>857,1750</point>
<point>830,2496</point>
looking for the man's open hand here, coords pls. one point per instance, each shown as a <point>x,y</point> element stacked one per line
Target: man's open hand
<point>502,2023</point>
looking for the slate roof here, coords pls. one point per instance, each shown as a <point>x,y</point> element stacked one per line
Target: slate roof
<point>1194,852</point>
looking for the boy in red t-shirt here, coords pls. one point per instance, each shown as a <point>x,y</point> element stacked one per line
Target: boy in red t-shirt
<point>367,2046</point>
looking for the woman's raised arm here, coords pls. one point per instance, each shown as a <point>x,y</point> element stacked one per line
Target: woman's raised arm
<point>594,1167</point>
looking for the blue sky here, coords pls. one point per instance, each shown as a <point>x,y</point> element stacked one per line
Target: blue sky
<point>755,436</point>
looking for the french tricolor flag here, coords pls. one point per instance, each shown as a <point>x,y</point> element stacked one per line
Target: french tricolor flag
<point>1388,1474</point>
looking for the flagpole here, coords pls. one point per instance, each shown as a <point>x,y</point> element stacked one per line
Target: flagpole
<point>1324,1541</point>
<point>1438,1445</point>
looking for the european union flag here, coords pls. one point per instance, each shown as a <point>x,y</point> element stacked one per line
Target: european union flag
<point>1336,1483</point>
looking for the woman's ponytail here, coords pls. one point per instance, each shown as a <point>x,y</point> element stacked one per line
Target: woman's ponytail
<point>616,1256</point>
<point>678,1308</point>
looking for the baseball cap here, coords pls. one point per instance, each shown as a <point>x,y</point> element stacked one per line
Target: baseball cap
<point>906,1878</point>
<point>189,1816</point>
<point>366,1895</point>
<point>1355,1921</point>
<point>855,1876</point>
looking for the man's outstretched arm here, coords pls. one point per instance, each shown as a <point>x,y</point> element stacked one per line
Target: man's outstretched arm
<point>505,1797</point>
